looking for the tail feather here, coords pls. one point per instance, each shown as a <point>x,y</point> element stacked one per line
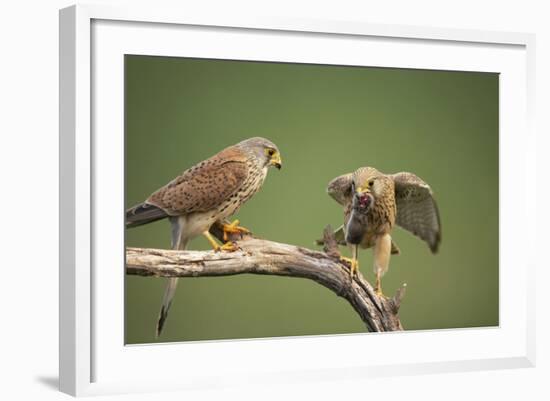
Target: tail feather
<point>169,293</point>
<point>178,242</point>
<point>143,213</point>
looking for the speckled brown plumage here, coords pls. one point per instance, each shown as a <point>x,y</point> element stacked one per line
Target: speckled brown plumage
<point>210,191</point>
<point>212,185</point>
<point>402,199</point>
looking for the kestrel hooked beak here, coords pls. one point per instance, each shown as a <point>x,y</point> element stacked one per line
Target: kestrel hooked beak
<point>274,158</point>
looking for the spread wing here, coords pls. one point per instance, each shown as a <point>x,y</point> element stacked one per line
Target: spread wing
<point>340,188</point>
<point>417,211</point>
<point>205,186</point>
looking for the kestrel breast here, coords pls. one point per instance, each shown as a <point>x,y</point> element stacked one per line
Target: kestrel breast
<point>251,185</point>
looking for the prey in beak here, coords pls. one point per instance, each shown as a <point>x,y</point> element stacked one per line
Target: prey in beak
<point>362,199</point>
<point>357,224</point>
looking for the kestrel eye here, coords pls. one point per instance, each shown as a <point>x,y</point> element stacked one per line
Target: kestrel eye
<point>270,152</point>
<point>371,183</point>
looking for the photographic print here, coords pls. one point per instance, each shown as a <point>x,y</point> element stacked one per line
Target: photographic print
<point>270,199</point>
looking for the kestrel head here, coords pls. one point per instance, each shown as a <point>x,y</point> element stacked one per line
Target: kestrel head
<point>265,151</point>
<point>369,182</point>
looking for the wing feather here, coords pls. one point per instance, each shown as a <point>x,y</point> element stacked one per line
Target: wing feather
<point>340,188</point>
<point>204,186</point>
<point>417,210</point>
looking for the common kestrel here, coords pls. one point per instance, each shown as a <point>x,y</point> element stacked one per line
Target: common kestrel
<point>373,202</point>
<point>210,191</point>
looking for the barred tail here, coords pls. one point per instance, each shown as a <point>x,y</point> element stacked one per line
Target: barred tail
<point>169,293</point>
<point>177,243</point>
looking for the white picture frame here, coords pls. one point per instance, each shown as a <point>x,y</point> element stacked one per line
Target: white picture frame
<point>94,360</point>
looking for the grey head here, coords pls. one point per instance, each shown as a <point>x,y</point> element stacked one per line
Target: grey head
<point>265,151</point>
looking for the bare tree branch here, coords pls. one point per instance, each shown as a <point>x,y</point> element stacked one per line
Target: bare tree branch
<point>258,256</point>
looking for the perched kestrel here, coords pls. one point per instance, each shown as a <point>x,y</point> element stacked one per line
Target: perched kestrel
<point>210,191</point>
<point>373,202</point>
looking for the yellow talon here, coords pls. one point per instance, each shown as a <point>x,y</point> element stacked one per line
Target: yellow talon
<point>212,241</point>
<point>354,264</point>
<point>233,228</point>
<point>228,247</point>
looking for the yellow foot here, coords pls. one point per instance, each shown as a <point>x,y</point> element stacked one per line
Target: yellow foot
<point>379,292</point>
<point>227,247</point>
<point>233,228</point>
<point>353,263</point>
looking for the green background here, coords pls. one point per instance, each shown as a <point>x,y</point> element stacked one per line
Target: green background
<point>326,121</point>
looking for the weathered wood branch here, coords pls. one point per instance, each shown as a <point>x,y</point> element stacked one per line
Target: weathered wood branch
<point>259,256</point>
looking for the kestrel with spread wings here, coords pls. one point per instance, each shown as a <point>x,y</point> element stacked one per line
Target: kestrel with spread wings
<point>373,203</point>
<point>210,191</point>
